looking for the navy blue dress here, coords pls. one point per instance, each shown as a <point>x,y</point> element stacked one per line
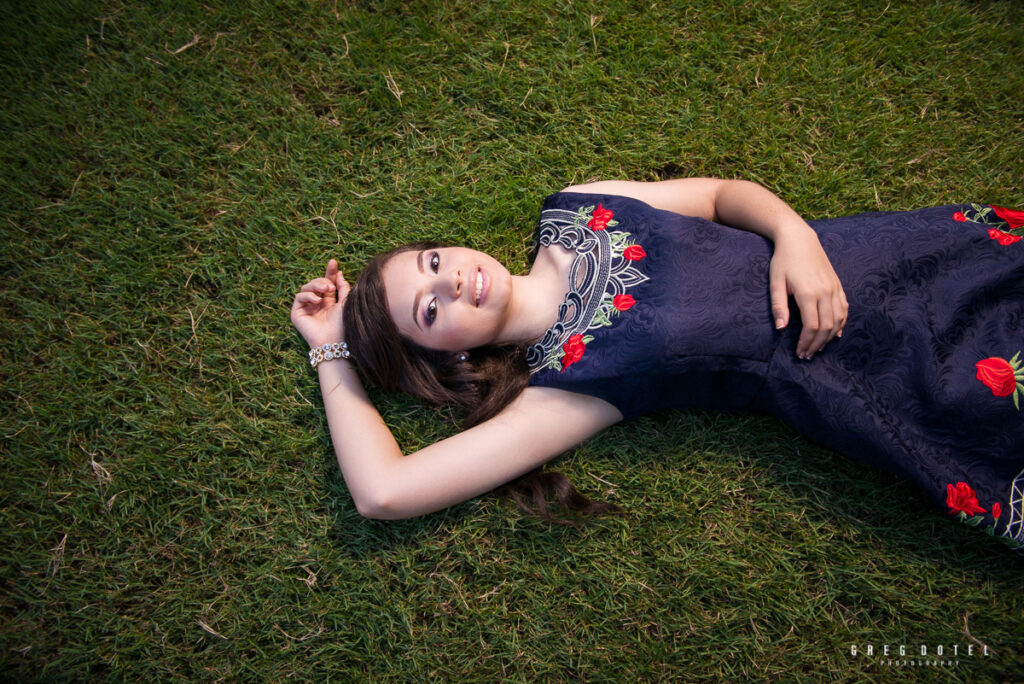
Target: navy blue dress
<point>671,311</point>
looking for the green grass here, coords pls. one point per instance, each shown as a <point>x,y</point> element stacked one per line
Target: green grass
<point>173,171</point>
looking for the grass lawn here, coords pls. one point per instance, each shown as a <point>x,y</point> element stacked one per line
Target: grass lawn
<point>171,172</point>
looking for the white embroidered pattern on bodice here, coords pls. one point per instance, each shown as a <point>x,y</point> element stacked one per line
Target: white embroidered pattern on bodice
<point>600,271</point>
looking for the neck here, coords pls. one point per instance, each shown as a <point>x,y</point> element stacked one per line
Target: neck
<point>535,300</point>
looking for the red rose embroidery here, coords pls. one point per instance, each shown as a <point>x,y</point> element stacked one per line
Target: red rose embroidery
<point>573,349</point>
<point>997,510</point>
<point>634,253</point>
<point>962,499</point>
<point>1003,238</point>
<point>1014,218</point>
<point>600,219</point>
<point>997,375</point>
<point>623,302</point>
<point>959,216</point>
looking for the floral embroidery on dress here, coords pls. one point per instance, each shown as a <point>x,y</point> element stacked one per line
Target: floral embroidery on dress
<point>601,219</point>
<point>963,503</point>
<point>1002,221</point>
<point>1002,377</point>
<point>605,266</point>
<point>1013,218</point>
<point>1001,237</point>
<point>962,499</point>
<point>623,302</point>
<point>574,348</point>
<point>634,253</point>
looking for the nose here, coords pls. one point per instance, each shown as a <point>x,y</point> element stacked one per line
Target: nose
<point>456,284</point>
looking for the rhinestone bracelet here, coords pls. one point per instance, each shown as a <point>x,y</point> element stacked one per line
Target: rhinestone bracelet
<point>327,352</point>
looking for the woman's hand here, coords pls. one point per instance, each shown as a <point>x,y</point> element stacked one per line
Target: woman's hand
<point>800,267</point>
<point>316,311</point>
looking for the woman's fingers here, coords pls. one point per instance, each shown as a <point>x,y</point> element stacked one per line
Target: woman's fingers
<point>779,294</point>
<point>823,320</point>
<point>322,286</point>
<point>809,318</point>
<point>337,280</point>
<point>307,298</point>
<point>826,327</point>
<point>843,309</point>
<point>304,305</point>
<point>335,275</point>
<point>307,302</point>
<point>800,268</point>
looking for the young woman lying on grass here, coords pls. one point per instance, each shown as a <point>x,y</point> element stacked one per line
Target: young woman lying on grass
<point>902,350</point>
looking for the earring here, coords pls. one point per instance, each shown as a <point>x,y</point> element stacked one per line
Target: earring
<point>463,357</point>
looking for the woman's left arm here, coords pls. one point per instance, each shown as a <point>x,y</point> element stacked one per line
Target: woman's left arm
<point>799,265</point>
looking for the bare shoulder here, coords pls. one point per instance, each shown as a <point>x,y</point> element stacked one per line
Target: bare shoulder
<point>688,196</point>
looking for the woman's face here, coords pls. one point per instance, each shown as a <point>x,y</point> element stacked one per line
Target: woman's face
<point>449,298</point>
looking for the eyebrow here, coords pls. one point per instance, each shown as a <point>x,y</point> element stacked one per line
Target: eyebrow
<point>416,300</point>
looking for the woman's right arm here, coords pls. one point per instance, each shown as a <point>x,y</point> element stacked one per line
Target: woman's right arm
<point>537,426</point>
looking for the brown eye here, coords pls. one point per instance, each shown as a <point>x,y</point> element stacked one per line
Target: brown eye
<point>435,261</point>
<point>431,314</point>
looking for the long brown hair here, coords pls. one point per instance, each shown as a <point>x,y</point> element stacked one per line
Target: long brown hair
<point>482,385</point>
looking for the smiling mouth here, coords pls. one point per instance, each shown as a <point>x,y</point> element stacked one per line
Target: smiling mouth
<point>479,287</point>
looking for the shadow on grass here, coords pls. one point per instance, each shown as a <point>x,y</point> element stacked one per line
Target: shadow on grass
<point>887,516</point>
